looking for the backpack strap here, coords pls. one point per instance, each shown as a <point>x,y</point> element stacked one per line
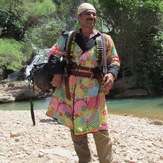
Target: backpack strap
<point>104,59</point>
<point>101,50</point>
<point>70,37</point>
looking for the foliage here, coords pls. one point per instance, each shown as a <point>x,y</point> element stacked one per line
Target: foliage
<point>135,25</point>
<point>64,18</point>
<point>66,12</point>
<point>149,61</point>
<point>129,22</point>
<point>11,54</point>
<point>46,35</point>
<point>17,19</point>
<point>149,67</point>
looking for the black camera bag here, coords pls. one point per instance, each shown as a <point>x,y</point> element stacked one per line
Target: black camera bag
<point>41,77</point>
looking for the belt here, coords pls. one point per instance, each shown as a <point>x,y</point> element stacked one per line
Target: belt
<point>90,73</point>
<point>79,67</point>
<point>82,74</point>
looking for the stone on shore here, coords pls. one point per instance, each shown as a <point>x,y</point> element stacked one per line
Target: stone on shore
<point>18,90</point>
<point>135,140</point>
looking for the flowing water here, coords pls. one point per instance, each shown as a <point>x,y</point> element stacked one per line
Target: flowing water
<point>40,57</point>
<point>146,107</point>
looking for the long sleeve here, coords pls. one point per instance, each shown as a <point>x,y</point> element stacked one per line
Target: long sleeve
<point>113,61</point>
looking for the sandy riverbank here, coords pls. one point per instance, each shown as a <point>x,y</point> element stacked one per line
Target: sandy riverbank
<point>135,140</point>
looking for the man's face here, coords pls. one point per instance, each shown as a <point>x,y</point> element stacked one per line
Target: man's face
<point>87,18</point>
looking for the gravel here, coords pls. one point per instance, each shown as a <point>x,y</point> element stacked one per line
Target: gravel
<point>135,140</point>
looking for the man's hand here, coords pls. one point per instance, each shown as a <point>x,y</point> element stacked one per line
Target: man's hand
<point>108,81</point>
<point>57,81</point>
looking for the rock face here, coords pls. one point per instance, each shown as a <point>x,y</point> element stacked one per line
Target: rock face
<point>17,90</point>
<point>132,93</point>
<point>126,88</point>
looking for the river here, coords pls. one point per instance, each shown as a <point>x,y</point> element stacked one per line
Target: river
<point>146,107</point>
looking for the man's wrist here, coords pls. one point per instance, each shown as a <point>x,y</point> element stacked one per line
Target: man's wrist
<point>112,75</point>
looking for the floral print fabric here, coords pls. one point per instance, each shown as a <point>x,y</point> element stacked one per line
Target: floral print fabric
<point>86,111</point>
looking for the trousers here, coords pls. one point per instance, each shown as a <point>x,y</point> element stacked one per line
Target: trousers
<point>103,146</point>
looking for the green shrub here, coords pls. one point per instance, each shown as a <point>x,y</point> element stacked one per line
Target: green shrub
<point>12,54</point>
<point>46,35</point>
<point>150,69</point>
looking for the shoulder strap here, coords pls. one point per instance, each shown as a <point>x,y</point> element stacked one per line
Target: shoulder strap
<point>68,45</point>
<point>70,39</point>
<point>101,49</point>
<point>104,54</point>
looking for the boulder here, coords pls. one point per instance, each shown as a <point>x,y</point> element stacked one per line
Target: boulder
<point>6,97</point>
<point>132,93</point>
<point>126,88</point>
<point>123,84</point>
<point>18,90</point>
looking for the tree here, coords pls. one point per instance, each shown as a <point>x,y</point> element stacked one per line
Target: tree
<point>130,23</point>
<point>135,25</point>
<point>64,18</point>
<point>17,18</point>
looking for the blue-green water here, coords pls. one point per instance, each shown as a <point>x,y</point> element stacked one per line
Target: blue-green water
<point>148,107</point>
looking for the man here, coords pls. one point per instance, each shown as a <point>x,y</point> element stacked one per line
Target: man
<point>84,110</point>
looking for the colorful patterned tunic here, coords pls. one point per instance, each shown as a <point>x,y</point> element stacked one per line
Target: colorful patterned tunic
<point>87,110</point>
